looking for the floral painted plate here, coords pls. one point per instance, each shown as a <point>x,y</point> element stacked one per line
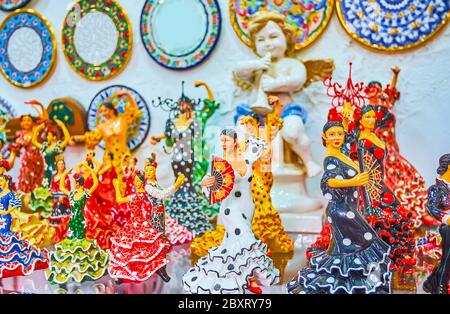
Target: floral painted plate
<point>309,17</point>
<point>11,5</point>
<point>393,25</point>
<point>27,48</point>
<point>97,38</point>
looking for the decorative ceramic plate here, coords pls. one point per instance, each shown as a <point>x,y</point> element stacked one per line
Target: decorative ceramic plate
<point>309,17</point>
<point>138,130</point>
<point>97,38</point>
<point>393,25</point>
<point>11,5</point>
<point>27,48</point>
<point>180,34</point>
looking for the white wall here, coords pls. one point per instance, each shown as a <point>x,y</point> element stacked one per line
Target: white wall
<point>423,111</point>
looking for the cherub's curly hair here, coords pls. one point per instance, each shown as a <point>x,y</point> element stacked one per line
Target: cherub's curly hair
<point>261,19</point>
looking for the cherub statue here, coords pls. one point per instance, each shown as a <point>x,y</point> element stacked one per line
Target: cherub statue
<point>277,72</point>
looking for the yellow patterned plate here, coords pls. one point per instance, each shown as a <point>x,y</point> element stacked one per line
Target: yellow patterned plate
<point>309,17</point>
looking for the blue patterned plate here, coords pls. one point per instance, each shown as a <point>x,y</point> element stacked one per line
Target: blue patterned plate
<point>27,48</point>
<point>393,25</point>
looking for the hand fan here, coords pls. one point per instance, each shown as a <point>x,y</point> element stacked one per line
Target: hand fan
<point>224,174</point>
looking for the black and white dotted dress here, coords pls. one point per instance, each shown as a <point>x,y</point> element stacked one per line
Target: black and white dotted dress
<point>357,259</point>
<point>185,204</point>
<point>227,268</point>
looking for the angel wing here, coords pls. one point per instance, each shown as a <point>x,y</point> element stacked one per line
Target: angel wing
<point>318,70</point>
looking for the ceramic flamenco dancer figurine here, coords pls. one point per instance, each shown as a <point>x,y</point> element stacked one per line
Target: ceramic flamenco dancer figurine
<point>76,258</point>
<point>357,259</point>
<point>163,223</point>
<point>50,148</point>
<point>17,257</point>
<point>31,163</point>
<point>382,209</point>
<point>184,134</point>
<point>100,225</point>
<point>266,222</point>
<point>402,177</point>
<point>241,261</point>
<point>41,198</point>
<point>113,129</point>
<point>61,205</point>
<point>121,212</point>
<point>138,250</point>
<point>439,207</point>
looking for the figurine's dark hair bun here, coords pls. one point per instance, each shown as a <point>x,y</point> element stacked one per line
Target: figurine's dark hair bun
<point>80,180</point>
<point>366,109</point>
<point>111,106</point>
<point>230,133</point>
<point>444,162</point>
<point>328,126</point>
<point>141,176</point>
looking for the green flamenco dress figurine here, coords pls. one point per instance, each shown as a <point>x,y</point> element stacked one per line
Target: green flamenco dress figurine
<point>77,258</point>
<point>41,198</point>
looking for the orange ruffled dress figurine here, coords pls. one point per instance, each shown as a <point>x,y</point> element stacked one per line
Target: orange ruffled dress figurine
<point>266,221</point>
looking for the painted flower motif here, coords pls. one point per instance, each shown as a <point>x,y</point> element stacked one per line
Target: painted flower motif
<point>69,233</point>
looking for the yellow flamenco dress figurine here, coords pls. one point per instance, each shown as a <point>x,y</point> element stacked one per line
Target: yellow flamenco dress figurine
<point>76,258</point>
<point>113,128</point>
<point>266,221</point>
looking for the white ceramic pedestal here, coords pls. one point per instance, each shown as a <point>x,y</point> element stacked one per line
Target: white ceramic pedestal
<point>300,213</point>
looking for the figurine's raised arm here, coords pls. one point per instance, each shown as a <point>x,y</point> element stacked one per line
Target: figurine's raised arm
<point>95,179</point>
<point>36,132</point>
<point>165,193</point>
<point>66,133</point>
<point>43,114</point>
<point>119,198</point>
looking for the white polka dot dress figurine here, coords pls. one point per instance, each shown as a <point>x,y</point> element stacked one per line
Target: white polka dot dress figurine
<point>240,263</point>
<point>357,259</point>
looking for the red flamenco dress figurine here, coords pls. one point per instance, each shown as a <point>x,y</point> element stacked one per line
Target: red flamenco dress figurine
<point>61,210</point>
<point>17,256</point>
<point>138,250</point>
<point>121,212</point>
<point>401,177</point>
<point>98,214</point>
<point>31,163</point>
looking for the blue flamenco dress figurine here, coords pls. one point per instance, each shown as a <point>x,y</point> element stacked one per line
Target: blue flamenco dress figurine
<point>17,257</point>
<point>357,260</point>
